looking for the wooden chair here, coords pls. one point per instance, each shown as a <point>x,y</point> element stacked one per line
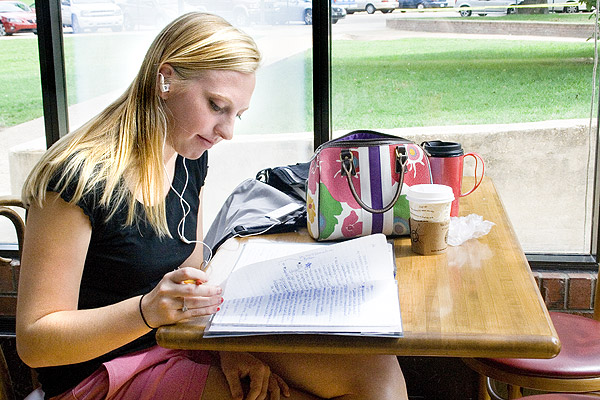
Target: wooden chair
<point>8,207</point>
<point>576,369</point>
<point>6,387</point>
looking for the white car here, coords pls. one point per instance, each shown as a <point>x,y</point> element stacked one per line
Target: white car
<point>567,6</point>
<point>370,6</point>
<point>91,14</point>
<point>484,7</point>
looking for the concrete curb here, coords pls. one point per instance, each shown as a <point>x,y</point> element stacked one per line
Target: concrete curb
<point>488,27</point>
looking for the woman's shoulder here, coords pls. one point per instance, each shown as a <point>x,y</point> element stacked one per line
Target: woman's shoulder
<point>74,177</point>
<point>78,183</point>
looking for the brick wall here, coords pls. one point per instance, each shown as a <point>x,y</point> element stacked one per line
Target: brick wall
<point>571,292</point>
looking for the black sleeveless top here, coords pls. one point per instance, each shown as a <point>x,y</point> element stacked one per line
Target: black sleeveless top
<point>126,261</point>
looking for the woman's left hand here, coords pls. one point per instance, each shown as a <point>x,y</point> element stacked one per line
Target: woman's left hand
<point>180,294</point>
<point>263,383</point>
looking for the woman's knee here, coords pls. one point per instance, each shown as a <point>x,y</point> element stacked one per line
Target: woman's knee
<point>379,377</point>
<point>330,376</point>
<point>216,387</point>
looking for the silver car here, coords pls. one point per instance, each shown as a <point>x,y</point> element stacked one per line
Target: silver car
<point>484,7</point>
<point>370,6</point>
<point>91,14</point>
<point>282,11</point>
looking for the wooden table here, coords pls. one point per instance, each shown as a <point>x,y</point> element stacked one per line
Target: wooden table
<point>479,299</point>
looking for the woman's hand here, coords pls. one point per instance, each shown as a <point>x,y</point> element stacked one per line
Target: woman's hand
<point>179,295</point>
<point>263,383</point>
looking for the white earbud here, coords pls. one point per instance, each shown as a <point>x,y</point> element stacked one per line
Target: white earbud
<point>164,87</point>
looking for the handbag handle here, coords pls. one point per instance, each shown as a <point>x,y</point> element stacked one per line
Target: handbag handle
<point>348,170</point>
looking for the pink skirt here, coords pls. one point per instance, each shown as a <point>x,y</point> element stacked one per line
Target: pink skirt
<point>154,373</point>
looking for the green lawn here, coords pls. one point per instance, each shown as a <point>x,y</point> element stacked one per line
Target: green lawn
<point>424,81</point>
<point>409,82</point>
<point>21,98</point>
<point>93,65</point>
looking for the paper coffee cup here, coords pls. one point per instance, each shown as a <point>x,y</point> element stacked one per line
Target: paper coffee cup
<point>429,206</point>
<point>430,202</point>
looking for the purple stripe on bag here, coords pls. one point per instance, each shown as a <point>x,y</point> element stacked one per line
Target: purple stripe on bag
<point>375,180</point>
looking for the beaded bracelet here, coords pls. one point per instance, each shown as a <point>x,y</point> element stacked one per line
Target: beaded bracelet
<point>142,313</point>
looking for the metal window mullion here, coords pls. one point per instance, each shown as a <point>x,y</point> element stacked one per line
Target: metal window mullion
<point>595,245</point>
<point>321,30</point>
<point>52,69</point>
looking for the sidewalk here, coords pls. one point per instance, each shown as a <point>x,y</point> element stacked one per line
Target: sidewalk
<point>30,136</point>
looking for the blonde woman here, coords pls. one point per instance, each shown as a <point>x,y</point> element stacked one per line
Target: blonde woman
<point>113,240</point>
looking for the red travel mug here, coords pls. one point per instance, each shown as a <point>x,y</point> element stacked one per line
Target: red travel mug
<point>447,160</point>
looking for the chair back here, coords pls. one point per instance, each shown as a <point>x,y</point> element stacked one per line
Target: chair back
<point>7,205</point>
<point>8,209</point>
<point>6,387</point>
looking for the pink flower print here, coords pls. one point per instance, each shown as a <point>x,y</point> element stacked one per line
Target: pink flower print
<point>415,156</point>
<point>351,227</point>
<point>330,167</point>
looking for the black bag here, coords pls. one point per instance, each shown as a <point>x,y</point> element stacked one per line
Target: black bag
<point>272,203</point>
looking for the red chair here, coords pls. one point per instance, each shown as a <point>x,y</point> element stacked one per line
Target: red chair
<point>562,396</point>
<point>576,369</point>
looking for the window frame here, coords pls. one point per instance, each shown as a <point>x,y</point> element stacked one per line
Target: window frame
<point>52,69</point>
<point>55,105</point>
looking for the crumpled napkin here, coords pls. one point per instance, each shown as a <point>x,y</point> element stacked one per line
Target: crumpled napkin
<point>464,228</point>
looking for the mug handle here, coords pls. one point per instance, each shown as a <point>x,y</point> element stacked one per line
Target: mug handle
<point>477,158</point>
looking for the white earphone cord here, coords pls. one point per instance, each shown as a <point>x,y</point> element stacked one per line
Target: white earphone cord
<point>185,209</point>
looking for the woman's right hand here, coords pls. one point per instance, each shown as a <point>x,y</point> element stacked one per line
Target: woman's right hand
<point>264,384</point>
<point>179,295</point>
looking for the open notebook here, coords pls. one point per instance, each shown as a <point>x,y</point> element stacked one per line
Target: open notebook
<point>346,288</point>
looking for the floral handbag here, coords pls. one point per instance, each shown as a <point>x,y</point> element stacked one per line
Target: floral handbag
<point>357,185</point>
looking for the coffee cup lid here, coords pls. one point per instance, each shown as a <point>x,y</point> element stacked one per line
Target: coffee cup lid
<point>430,193</point>
<point>438,148</point>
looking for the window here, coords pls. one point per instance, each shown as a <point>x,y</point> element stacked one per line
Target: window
<point>523,102</point>
<point>103,54</point>
<point>21,124</point>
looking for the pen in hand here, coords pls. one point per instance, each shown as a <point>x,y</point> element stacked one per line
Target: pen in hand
<point>197,282</point>
<point>192,282</point>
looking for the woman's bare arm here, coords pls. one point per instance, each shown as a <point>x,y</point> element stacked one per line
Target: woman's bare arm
<point>50,328</point>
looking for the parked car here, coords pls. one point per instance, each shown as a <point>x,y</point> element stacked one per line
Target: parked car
<point>16,17</point>
<point>567,6</point>
<point>343,3</point>
<point>152,13</point>
<point>422,4</point>
<point>282,11</point>
<point>142,12</point>
<point>237,12</point>
<point>385,6</point>
<point>91,14</point>
<point>484,7</point>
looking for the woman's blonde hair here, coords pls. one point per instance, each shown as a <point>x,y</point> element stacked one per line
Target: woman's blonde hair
<point>124,143</point>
